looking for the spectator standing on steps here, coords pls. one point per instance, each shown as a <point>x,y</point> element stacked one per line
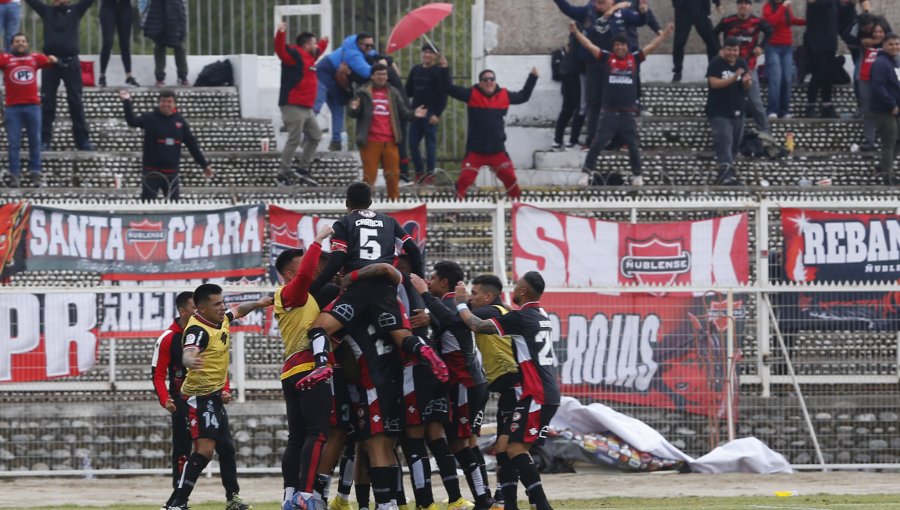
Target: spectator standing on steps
<point>754,33</point>
<point>820,43</point>
<point>620,99</point>
<point>872,47</point>
<point>780,56</point>
<point>116,16</point>
<point>425,87</point>
<point>165,132</point>
<point>23,106</point>
<point>378,108</point>
<point>728,80</point>
<point>334,79</point>
<point>487,104</point>
<point>696,14</point>
<point>605,19</point>
<point>61,28</point>
<point>570,88</point>
<point>10,18</point>
<point>885,83</point>
<point>299,87</point>
<point>166,25</point>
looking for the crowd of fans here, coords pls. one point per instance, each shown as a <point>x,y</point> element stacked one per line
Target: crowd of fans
<point>734,47</point>
<point>599,70</point>
<point>164,22</point>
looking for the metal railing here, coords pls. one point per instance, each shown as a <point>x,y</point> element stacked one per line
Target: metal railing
<point>798,388</point>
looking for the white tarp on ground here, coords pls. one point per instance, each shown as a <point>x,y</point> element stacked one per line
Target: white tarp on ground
<point>747,455</point>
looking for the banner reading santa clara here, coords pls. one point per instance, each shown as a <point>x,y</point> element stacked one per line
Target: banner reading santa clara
<point>658,351</point>
<point>572,251</point>
<point>222,243</point>
<point>289,229</point>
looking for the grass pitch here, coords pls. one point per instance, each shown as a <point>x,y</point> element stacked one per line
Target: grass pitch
<point>820,502</point>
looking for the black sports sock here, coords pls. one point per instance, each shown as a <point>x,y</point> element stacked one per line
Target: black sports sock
<point>509,481</point>
<point>192,469</point>
<point>447,465</point>
<point>362,494</point>
<point>419,470</point>
<point>483,468</point>
<point>228,470</point>
<point>469,464</point>
<point>399,491</point>
<point>383,481</point>
<point>348,461</point>
<point>412,344</point>
<point>322,485</point>
<point>531,479</point>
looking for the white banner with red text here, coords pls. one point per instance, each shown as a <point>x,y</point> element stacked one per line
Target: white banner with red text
<point>573,251</point>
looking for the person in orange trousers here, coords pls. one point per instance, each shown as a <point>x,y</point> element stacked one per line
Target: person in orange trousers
<point>378,108</point>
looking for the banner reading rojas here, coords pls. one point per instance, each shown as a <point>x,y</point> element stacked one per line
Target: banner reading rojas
<point>583,252</point>
<point>832,247</point>
<point>660,351</point>
<point>222,243</point>
<point>289,229</point>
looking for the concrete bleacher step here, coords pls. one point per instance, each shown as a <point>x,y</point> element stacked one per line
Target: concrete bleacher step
<point>114,135</point>
<point>689,133</point>
<point>698,168</point>
<point>90,170</point>
<point>689,100</point>
<point>193,102</point>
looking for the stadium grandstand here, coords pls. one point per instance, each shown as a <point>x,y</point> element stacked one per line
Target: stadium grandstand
<point>766,308</point>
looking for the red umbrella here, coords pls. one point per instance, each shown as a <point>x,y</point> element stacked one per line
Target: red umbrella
<point>416,24</point>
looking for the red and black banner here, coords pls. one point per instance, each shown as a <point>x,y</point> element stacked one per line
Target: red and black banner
<point>657,351</point>
<point>223,243</point>
<point>572,251</point>
<point>829,247</point>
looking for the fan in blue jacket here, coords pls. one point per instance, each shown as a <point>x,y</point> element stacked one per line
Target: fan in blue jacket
<point>352,52</point>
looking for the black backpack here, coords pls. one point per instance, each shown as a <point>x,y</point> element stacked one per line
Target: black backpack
<point>755,146</point>
<point>217,74</point>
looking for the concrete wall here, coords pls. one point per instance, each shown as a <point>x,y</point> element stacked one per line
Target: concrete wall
<point>536,26</point>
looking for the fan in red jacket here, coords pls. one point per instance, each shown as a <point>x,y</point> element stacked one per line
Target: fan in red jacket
<point>299,86</point>
<point>487,104</point>
<point>167,366</point>
<point>23,106</point>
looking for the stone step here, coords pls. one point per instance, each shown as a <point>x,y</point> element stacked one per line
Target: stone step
<point>694,133</point>
<point>86,171</point>
<point>698,168</point>
<point>114,135</point>
<point>193,102</point>
<point>689,100</point>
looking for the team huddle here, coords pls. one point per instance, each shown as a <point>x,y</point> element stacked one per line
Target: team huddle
<point>378,363</point>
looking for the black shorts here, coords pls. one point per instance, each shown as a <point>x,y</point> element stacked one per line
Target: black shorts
<point>424,397</point>
<point>308,411</point>
<point>467,410</point>
<point>207,418</point>
<point>372,301</point>
<point>526,421</point>
<point>377,411</point>
<point>343,394</point>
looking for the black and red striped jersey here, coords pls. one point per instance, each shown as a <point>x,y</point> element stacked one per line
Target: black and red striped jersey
<point>367,237</point>
<point>531,331</point>
<point>455,341</point>
<point>621,90</point>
